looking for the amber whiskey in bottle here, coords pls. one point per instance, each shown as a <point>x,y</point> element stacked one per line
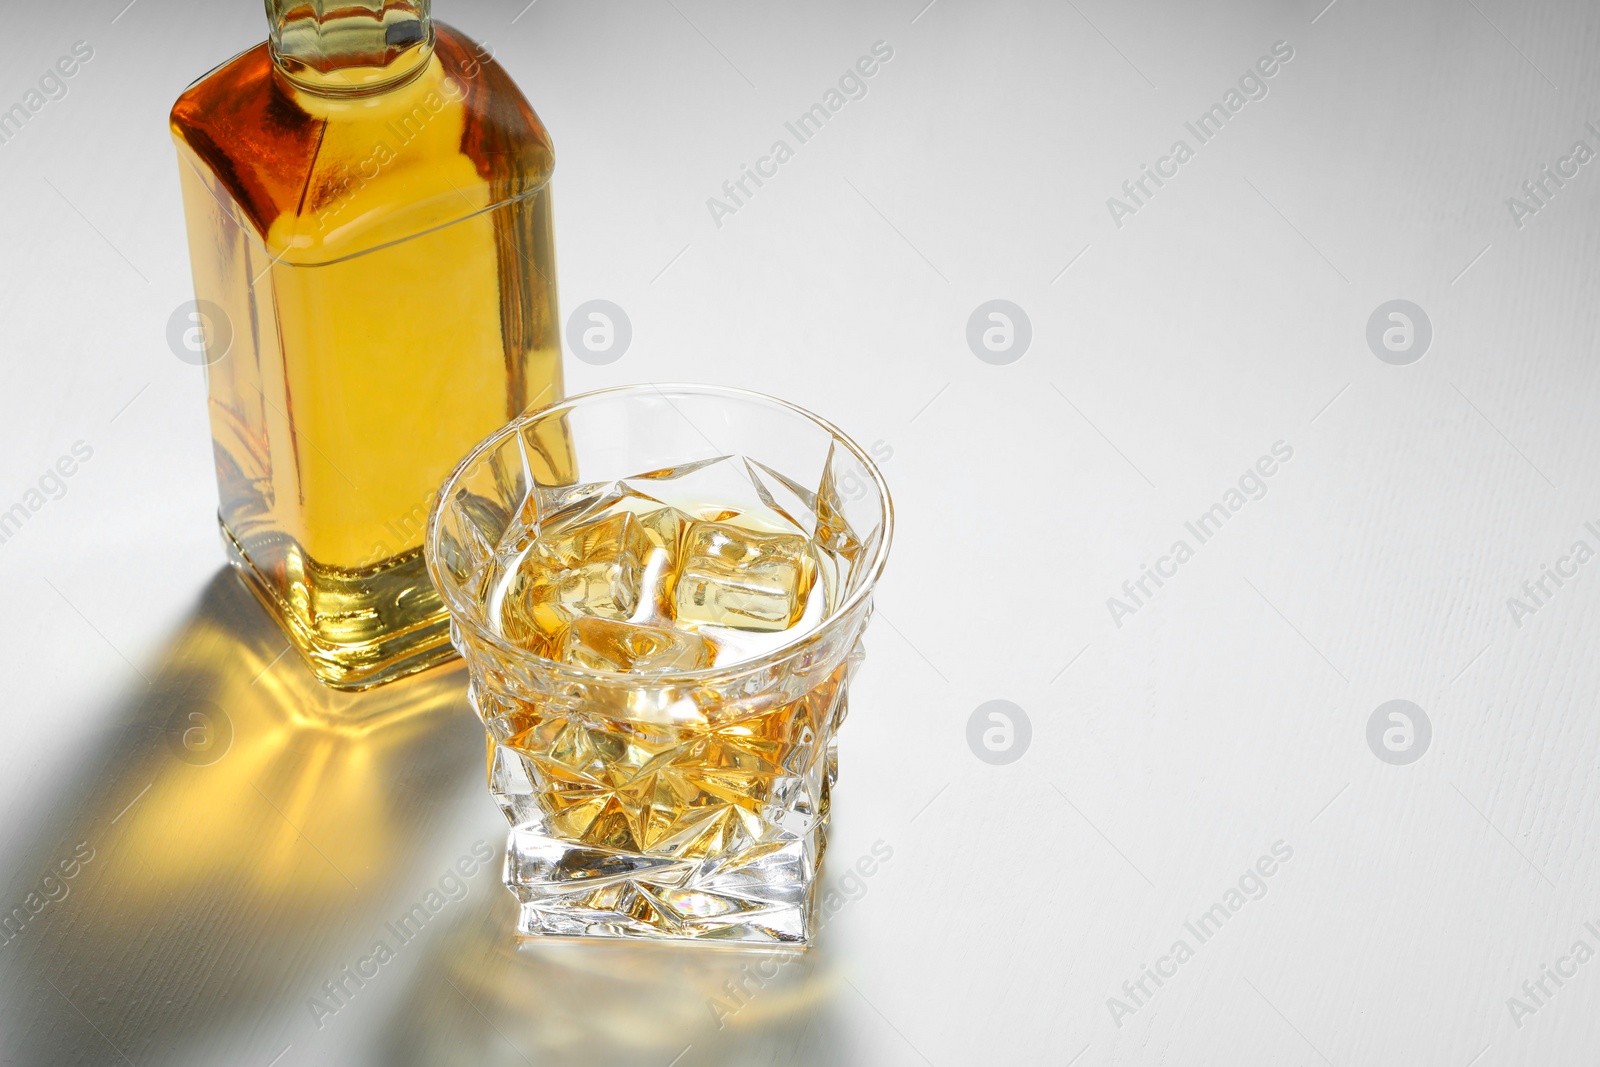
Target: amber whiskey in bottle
<point>368,207</point>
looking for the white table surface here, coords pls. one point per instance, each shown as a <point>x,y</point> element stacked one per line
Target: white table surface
<point>1170,748</point>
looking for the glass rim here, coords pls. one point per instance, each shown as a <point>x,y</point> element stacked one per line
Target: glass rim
<point>467,616</point>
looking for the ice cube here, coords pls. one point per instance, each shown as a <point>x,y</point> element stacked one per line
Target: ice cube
<point>743,580</point>
<point>665,527</point>
<point>593,569</point>
<point>538,626</point>
<point>602,644</point>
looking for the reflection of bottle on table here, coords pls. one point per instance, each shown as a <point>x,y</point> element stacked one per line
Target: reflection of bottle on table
<point>244,830</point>
<point>369,224</point>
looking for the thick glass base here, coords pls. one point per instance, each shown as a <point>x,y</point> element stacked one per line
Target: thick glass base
<point>355,629</point>
<point>759,896</point>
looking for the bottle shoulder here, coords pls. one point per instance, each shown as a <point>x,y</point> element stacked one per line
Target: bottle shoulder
<point>320,178</point>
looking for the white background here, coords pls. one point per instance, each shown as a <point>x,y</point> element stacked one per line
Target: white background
<point>1167,753</point>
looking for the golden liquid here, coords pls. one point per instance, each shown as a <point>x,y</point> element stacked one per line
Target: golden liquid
<point>385,266</point>
<point>623,587</point>
<point>641,586</point>
<point>684,790</point>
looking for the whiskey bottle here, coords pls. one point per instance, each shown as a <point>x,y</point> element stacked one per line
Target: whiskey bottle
<point>368,208</point>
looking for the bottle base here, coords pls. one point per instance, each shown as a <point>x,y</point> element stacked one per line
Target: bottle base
<point>354,629</point>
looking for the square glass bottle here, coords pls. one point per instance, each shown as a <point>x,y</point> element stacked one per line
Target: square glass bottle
<point>370,231</point>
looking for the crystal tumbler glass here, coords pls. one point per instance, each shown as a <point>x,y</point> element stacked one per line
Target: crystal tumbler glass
<point>660,592</point>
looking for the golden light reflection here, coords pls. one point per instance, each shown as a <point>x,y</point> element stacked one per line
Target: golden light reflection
<point>244,822</point>
<point>251,833</point>
<point>253,741</point>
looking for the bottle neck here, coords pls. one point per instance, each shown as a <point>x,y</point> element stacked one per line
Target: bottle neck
<point>350,46</point>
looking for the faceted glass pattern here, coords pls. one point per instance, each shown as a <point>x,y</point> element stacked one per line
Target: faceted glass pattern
<point>661,682</point>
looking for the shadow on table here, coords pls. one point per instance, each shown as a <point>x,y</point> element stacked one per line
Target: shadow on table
<point>480,997</point>
<point>240,834</point>
<point>201,868</point>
